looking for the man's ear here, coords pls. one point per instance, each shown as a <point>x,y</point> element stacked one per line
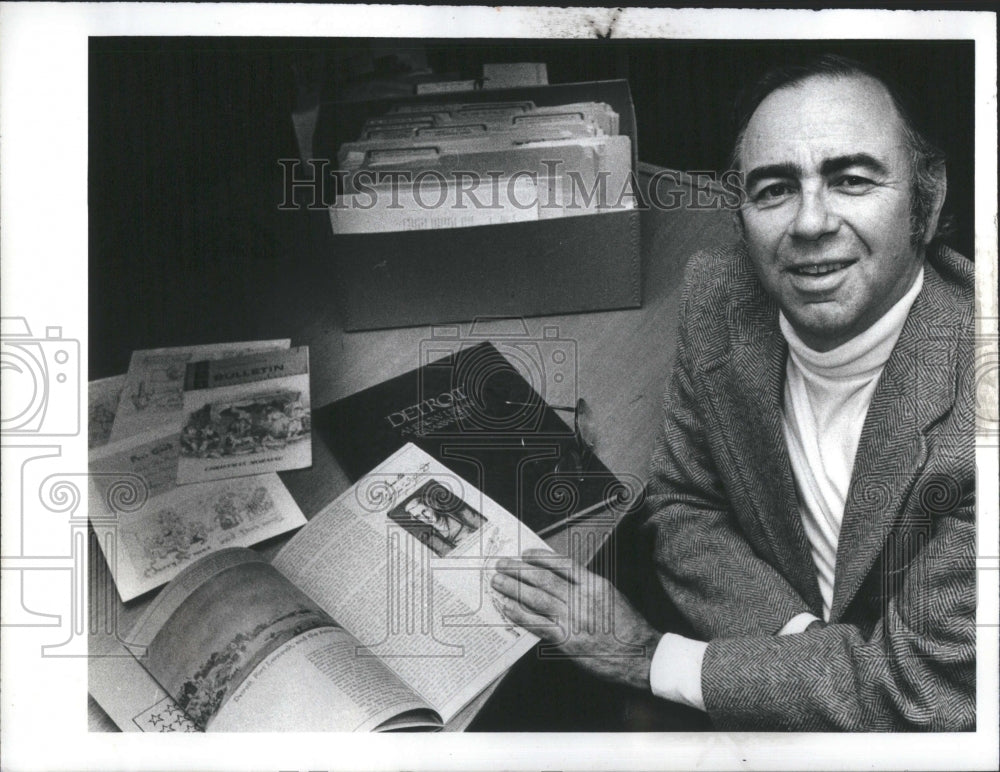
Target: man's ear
<point>934,210</point>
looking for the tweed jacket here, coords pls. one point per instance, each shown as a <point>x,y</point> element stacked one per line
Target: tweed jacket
<point>898,651</point>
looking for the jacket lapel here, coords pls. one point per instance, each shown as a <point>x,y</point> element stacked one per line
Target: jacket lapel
<point>917,387</point>
<point>758,355</point>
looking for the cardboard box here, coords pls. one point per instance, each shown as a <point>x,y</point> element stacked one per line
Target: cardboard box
<point>554,266</point>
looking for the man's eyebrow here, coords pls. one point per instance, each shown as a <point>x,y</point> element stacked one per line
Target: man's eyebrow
<point>782,170</point>
<point>827,167</point>
<point>862,160</point>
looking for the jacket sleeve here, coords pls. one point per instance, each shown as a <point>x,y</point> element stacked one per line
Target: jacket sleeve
<point>915,670</point>
<point>703,559</point>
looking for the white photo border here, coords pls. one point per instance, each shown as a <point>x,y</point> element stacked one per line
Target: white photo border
<point>43,245</point>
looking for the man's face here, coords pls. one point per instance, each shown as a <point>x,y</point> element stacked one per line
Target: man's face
<point>421,512</point>
<point>827,216</point>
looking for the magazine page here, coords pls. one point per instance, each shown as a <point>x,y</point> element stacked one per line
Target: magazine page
<point>130,696</point>
<point>403,560</point>
<point>152,397</point>
<point>157,527</point>
<point>239,648</point>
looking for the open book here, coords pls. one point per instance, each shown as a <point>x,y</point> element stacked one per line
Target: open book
<point>377,615</point>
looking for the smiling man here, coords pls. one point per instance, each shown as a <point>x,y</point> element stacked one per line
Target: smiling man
<point>811,501</point>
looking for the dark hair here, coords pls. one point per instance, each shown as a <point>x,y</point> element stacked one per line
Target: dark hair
<point>927,161</point>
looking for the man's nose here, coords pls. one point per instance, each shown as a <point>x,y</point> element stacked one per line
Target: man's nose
<point>813,219</point>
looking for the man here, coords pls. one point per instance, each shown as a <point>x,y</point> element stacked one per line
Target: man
<point>442,526</point>
<point>812,489</point>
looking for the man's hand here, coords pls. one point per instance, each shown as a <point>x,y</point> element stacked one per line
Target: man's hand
<point>584,615</point>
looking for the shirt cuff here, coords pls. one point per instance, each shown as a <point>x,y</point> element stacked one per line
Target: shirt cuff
<point>675,672</point>
<point>798,623</point>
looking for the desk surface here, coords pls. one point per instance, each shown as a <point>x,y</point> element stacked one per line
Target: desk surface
<point>623,357</point>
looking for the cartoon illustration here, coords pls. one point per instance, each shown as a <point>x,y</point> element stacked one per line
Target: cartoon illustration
<point>235,507</point>
<point>171,537</point>
<point>161,384</point>
<point>255,424</point>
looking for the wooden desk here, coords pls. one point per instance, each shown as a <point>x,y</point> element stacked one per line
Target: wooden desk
<point>623,357</point>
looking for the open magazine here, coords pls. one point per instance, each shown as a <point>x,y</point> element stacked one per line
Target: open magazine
<point>377,615</point>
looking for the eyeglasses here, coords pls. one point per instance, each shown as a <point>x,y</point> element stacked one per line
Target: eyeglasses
<point>574,460</point>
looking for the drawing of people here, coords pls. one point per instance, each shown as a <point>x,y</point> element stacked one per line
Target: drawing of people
<point>297,420</point>
<point>259,502</point>
<point>174,537</point>
<point>227,513</point>
<point>237,432</point>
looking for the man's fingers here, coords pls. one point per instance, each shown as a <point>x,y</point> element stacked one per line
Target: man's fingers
<point>530,607</point>
<point>536,576</point>
<point>541,561</point>
<point>540,625</point>
<point>560,565</point>
<point>537,600</point>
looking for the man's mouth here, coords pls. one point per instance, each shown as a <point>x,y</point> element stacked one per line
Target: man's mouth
<point>819,269</point>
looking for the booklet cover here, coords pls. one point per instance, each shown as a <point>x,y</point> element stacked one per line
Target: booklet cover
<point>476,413</point>
<point>151,397</point>
<point>246,415</point>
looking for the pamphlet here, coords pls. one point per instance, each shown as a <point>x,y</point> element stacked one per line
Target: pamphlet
<point>245,415</point>
<point>152,397</point>
<point>152,528</point>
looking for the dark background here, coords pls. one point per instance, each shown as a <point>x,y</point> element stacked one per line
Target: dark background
<point>185,136</point>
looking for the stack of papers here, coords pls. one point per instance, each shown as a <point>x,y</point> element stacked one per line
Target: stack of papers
<point>451,165</point>
<point>184,451</point>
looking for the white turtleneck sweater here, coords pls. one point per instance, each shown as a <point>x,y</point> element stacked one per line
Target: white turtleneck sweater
<point>827,394</point>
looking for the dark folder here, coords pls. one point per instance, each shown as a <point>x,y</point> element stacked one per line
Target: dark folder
<point>476,413</point>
